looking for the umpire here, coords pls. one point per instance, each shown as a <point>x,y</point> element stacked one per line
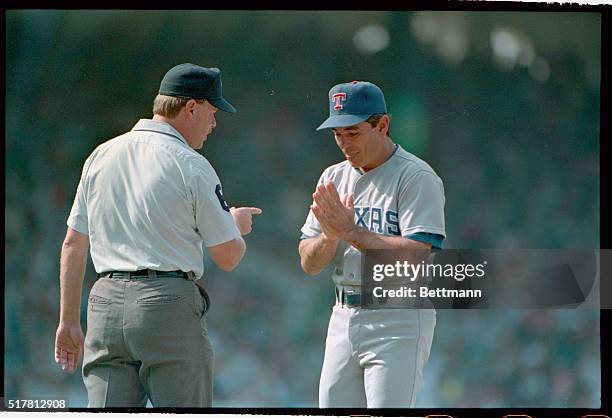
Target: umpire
<point>147,202</point>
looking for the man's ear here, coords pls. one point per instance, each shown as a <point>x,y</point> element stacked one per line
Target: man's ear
<point>190,107</point>
<point>383,124</point>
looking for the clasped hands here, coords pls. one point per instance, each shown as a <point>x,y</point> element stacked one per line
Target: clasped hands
<point>335,215</point>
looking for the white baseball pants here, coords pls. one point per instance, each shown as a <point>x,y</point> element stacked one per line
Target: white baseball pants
<point>374,358</point>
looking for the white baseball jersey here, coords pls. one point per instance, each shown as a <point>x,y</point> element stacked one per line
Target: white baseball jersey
<point>148,200</point>
<point>402,197</point>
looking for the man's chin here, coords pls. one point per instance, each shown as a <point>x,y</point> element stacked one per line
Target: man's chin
<point>353,164</point>
<point>203,141</point>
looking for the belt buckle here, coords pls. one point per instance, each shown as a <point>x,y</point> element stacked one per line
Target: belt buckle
<point>118,275</point>
<point>352,299</point>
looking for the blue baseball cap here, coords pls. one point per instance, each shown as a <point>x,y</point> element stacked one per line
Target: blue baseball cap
<point>352,103</point>
<point>195,82</point>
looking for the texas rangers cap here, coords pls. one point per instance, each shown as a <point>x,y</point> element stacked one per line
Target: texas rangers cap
<point>195,82</point>
<point>352,103</point>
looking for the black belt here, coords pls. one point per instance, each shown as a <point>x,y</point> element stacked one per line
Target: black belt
<point>358,300</point>
<point>353,300</point>
<point>143,273</point>
<point>155,273</point>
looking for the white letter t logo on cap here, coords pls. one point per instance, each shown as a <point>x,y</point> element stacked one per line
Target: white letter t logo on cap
<point>338,98</point>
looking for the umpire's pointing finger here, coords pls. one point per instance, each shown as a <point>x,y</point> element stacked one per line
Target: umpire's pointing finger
<point>255,211</point>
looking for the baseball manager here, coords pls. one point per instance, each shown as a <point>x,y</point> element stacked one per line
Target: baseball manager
<point>381,197</point>
<point>147,202</point>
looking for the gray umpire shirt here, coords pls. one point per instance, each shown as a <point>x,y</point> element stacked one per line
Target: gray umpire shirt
<point>402,197</point>
<point>148,200</point>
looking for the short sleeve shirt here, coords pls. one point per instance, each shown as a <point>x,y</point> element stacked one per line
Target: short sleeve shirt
<point>401,197</point>
<point>148,200</point>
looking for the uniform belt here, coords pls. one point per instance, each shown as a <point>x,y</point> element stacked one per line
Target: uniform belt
<point>352,299</point>
<point>144,273</point>
<point>152,274</point>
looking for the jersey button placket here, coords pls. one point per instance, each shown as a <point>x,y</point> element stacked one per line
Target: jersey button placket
<point>359,198</point>
<point>350,272</point>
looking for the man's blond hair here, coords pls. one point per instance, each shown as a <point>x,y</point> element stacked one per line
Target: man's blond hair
<point>170,106</point>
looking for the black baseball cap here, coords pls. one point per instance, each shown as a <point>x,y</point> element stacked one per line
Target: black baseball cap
<point>195,82</point>
<point>352,103</point>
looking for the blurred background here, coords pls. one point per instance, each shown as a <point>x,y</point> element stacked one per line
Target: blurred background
<point>503,105</point>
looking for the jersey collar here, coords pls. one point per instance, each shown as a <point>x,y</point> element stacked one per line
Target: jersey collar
<point>361,172</point>
<point>159,127</point>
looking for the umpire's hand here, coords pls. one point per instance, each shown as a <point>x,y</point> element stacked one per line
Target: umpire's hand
<point>68,346</point>
<point>244,218</point>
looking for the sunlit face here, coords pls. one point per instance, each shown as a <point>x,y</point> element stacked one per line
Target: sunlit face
<point>205,123</point>
<point>360,144</point>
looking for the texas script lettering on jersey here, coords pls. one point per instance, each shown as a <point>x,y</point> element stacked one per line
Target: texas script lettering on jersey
<point>372,219</point>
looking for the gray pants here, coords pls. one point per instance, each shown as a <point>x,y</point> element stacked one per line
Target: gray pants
<point>147,338</point>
